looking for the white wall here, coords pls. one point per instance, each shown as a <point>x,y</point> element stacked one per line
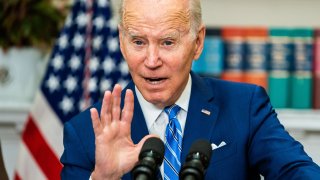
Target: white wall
<point>285,13</point>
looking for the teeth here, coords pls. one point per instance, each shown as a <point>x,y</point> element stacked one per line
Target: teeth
<point>154,81</point>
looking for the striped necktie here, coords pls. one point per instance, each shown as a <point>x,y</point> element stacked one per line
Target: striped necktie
<point>173,141</point>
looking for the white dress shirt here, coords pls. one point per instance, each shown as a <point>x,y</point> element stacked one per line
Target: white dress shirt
<point>157,119</point>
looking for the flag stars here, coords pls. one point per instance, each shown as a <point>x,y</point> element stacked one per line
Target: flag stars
<point>57,62</point>
<point>94,64</point>
<point>74,63</point>
<point>97,41</point>
<point>70,84</point>
<point>123,83</point>
<point>103,3</point>
<point>108,65</point>
<point>63,41</point>
<point>124,68</point>
<point>66,105</point>
<point>98,22</point>
<point>92,86</point>
<point>52,83</point>
<point>84,104</point>
<point>113,44</point>
<point>105,84</point>
<point>113,24</point>
<point>77,41</point>
<point>82,19</point>
<point>68,20</point>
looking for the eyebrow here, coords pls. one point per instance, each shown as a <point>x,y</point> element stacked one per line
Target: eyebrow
<point>174,34</point>
<point>133,35</point>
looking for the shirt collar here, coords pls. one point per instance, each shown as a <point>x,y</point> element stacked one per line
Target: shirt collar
<point>151,112</point>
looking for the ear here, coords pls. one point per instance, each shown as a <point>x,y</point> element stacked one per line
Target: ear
<point>120,35</point>
<point>199,42</point>
<point>120,32</point>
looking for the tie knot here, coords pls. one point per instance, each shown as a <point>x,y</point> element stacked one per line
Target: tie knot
<point>172,111</point>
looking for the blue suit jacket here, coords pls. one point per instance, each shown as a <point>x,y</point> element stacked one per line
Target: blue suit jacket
<point>241,116</point>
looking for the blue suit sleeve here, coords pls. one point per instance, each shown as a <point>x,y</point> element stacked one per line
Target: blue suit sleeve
<point>276,154</point>
<point>75,159</point>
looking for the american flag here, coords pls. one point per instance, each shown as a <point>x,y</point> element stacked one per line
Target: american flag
<point>85,62</point>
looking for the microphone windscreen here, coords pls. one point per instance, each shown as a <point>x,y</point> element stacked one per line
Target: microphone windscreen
<point>201,146</point>
<point>153,144</point>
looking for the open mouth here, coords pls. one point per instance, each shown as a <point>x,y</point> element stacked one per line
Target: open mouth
<point>155,80</point>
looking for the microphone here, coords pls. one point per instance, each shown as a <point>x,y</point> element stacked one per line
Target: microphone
<point>197,161</point>
<point>150,158</point>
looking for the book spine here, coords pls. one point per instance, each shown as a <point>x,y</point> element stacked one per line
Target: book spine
<point>234,44</point>
<point>210,63</point>
<point>301,96</point>
<point>280,59</point>
<point>316,92</point>
<point>255,61</point>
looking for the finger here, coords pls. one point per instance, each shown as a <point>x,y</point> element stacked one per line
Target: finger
<point>127,112</point>
<point>106,109</point>
<point>116,100</point>
<point>95,121</point>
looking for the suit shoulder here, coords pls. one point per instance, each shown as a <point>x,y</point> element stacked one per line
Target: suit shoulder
<point>83,120</point>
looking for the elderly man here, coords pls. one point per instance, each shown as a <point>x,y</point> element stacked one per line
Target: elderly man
<point>159,39</point>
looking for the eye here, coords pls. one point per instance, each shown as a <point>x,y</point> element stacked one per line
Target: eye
<point>168,43</point>
<point>138,42</point>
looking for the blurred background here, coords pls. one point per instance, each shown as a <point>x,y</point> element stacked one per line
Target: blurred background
<point>275,44</point>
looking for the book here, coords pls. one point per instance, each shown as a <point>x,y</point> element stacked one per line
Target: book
<point>280,60</point>
<point>234,51</point>
<point>301,84</point>
<point>316,70</point>
<point>210,62</point>
<point>255,60</point>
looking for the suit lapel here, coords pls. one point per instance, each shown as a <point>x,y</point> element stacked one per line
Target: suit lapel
<point>202,114</point>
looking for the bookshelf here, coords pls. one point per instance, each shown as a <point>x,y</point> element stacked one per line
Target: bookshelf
<point>287,14</point>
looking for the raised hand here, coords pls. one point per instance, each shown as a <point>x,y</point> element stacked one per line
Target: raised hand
<point>115,153</point>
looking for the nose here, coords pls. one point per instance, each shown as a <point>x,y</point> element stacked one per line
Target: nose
<point>153,59</point>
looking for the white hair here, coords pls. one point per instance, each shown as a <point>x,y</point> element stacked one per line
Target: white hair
<point>195,18</point>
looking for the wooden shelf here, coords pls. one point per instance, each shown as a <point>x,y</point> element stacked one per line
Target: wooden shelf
<point>297,119</point>
<point>14,114</point>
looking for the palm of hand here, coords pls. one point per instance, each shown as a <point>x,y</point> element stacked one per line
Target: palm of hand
<point>115,153</point>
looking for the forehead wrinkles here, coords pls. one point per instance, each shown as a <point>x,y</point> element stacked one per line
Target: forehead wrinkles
<point>171,19</point>
<point>129,18</point>
<point>178,20</point>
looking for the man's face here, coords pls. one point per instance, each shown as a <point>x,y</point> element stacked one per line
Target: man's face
<point>157,43</point>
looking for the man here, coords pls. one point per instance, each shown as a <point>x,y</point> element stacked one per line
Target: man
<point>159,40</point>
